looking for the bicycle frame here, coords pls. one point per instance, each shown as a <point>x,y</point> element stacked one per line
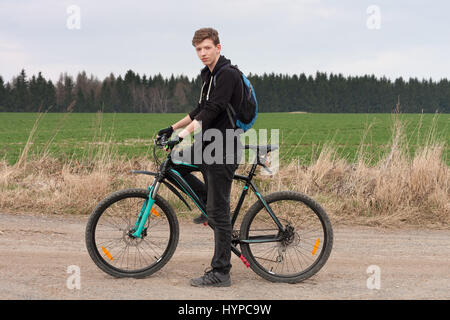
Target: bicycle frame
<point>167,170</point>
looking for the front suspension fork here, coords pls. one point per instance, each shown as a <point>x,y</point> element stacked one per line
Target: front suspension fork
<point>145,210</point>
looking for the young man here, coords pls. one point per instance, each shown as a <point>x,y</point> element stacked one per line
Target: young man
<point>221,86</point>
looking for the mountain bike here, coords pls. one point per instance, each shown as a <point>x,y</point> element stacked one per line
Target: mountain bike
<point>284,236</point>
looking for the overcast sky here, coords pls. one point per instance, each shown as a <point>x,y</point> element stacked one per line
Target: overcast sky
<point>385,38</point>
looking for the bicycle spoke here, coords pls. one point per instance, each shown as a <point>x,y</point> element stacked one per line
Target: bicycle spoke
<point>113,233</point>
<point>300,244</point>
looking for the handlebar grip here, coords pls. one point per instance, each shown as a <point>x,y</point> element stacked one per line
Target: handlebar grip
<point>161,141</point>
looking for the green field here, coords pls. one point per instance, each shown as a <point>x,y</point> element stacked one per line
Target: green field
<point>300,135</point>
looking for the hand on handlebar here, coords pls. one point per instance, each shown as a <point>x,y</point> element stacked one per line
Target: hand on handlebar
<point>167,132</point>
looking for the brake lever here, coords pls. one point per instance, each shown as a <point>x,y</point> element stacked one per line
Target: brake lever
<point>160,141</point>
<point>262,163</point>
<point>265,167</point>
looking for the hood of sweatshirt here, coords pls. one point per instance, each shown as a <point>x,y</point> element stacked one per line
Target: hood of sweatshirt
<point>206,74</point>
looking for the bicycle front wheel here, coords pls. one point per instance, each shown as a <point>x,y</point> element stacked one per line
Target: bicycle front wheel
<point>294,254</point>
<point>109,232</point>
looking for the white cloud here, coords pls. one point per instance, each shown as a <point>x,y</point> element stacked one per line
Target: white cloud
<point>282,36</point>
<point>12,55</point>
<point>420,62</point>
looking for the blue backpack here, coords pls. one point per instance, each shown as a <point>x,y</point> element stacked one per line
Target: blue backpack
<point>246,113</point>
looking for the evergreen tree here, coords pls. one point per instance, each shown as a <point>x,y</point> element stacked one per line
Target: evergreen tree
<point>3,95</point>
<point>19,93</point>
<point>321,92</point>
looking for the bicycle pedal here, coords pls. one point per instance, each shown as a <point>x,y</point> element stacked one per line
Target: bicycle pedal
<point>247,264</point>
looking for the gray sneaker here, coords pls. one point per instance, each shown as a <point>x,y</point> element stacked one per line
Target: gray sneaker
<point>212,279</point>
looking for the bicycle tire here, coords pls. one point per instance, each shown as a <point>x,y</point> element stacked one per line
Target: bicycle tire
<point>300,201</point>
<point>101,260</point>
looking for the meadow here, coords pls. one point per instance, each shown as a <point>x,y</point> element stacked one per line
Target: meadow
<point>301,136</point>
<point>369,169</point>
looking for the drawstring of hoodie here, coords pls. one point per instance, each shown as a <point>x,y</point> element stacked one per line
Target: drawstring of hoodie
<point>201,93</point>
<point>209,88</point>
<point>212,79</point>
<point>207,93</point>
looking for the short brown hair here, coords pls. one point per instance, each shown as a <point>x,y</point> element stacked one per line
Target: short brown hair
<point>206,33</point>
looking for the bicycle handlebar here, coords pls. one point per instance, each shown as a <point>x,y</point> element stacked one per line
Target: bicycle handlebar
<point>161,142</point>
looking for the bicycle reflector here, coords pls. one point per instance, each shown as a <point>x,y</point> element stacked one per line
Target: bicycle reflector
<point>316,246</point>
<point>152,210</point>
<point>106,252</point>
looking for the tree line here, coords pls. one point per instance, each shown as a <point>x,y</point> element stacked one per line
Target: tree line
<point>332,93</point>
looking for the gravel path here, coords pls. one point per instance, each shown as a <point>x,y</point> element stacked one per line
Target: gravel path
<point>36,252</point>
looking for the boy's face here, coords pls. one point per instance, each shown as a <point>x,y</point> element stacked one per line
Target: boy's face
<point>207,52</point>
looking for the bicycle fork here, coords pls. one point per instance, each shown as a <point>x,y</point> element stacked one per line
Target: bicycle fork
<point>145,210</point>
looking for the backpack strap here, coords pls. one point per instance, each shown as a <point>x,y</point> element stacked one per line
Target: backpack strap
<point>230,110</point>
<point>242,82</point>
<point>219,71</point>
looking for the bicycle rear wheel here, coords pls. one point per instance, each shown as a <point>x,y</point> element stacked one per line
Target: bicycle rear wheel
<point>109,237</point>
<point>291,256</point>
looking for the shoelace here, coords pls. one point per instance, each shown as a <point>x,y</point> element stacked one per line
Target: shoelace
<point>210,277</point>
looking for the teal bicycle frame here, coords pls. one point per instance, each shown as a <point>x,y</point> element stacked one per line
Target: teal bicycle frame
<point>168,172</point>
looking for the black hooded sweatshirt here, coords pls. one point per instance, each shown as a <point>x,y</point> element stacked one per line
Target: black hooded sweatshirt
<point>215,96</point>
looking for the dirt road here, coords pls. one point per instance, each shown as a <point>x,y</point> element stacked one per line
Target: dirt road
<point>36,252</point>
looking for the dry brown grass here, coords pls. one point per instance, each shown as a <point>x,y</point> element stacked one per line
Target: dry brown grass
<point>401,189</point>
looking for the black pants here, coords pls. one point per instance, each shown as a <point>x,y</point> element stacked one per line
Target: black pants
<point>215,192</point>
